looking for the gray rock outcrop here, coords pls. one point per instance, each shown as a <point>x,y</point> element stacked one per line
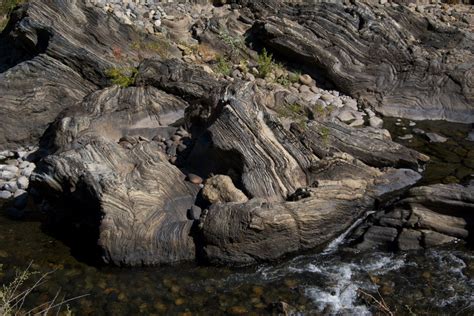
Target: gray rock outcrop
<point>401,63</point>
<point>428,216</point>
<point>122,167</point>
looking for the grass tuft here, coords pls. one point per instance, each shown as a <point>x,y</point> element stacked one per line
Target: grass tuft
<point>14,294</point>
<point>123,77</point>
<point>223,66</point>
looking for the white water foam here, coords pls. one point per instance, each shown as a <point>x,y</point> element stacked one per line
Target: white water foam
<point>340,297</point>
<point>449,261</point>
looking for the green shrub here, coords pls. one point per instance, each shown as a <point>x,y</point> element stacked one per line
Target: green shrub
<point>265,64</point>
<point>223,66</point>
<point>321,111</point>
<point>244,66</point>
<point>293,111</point>
<point>6,6</point>
<point>234,42</point>
<point>294,77</point>
<point>324,132</point>
<point>123,77</point>
<point>284,81</point>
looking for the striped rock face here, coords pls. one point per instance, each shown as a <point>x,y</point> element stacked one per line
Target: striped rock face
<point>122,166</point>
<point>402,62</point>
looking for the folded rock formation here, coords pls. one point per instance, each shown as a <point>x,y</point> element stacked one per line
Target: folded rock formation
<point>106,160</point>
<point>401,63</point>
<point>53,54</point>
<point>123,167</point>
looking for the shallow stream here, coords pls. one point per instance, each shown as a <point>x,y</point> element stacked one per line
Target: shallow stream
<point>338,280</point>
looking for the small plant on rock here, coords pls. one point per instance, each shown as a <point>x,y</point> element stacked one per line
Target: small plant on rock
<point>283,80</point>
<point>291,110</point>
<point>244,66</point>
<point>324,132</point>
<point>294,77</point>
<point>265,64</point>
<point>223,66</point>
<point>233,42</point>
<point>123,77</point>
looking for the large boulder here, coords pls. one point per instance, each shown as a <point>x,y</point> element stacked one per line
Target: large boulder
<point>129,198</point>
<point>221,189</point>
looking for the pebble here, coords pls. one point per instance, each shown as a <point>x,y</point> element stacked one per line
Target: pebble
<point>327,97</point>
<point>175,138</point>
<point>435,138</point>
<point>194,213</point>
<point>144,14</point>
<point>10,186</point>
<point>306,80</point>
<point>4,195</point>
<point>23,182</point>
<point>369,112</point>
<point>418,131</point>
<point>7,175</point>
<point>357,122</point>
<point>376,122</point>
<point>406,137</point>
<point>10,168</point>
<point>262,83</point>
<point>194,178</point>
<point>249,77</point>
<point>294,90</point>
<point>16,172</point>
<point>345,116</point>
<point>304,89</point>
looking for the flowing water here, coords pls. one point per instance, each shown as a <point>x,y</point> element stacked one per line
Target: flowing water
<point>337,280</point>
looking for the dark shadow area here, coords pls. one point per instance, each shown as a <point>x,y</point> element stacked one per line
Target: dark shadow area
<point>73,218</point>
<point>205,160</point>
<point>15,48</point>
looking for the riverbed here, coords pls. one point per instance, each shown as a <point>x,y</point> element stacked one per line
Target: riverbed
<point>329,281</point>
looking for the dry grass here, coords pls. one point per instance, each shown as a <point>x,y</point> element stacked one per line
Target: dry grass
<point>14,294</point>
<point>207,53</point>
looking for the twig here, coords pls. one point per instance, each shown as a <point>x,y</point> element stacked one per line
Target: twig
<point>62,303</point>
<point>52,302</point>
<point>381,303</point>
